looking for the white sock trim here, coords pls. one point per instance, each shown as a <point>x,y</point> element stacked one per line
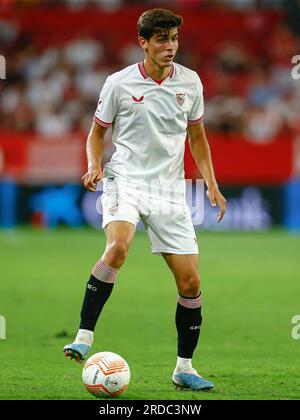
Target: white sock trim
<point>183,364</point>
<point>84,337</point>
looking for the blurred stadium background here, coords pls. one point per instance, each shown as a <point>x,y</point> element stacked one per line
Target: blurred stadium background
<point>58,54</point>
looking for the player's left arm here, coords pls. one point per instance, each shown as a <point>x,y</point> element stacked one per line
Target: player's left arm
<point>201,153</point>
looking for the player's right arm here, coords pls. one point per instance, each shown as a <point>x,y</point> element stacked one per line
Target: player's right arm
<point>105,113</point>
<point>94,153</point>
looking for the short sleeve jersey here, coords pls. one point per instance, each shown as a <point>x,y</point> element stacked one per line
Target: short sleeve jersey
<point>149,122</point>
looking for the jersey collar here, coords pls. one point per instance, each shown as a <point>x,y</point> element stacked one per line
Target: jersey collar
<point>145,75</point>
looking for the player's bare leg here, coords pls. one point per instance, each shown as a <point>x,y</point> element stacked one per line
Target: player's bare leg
<point>188,319</point>
<point>119,235</point>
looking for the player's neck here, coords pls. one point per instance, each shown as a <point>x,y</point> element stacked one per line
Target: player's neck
<point>154,71</point>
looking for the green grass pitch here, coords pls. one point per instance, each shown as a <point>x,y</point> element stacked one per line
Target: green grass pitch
<point>250,286</point>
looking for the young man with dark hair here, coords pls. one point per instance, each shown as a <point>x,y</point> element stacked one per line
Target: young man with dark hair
<point>150,106</point>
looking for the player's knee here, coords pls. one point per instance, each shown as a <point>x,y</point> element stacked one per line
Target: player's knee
<point>190,287</point>
<point>117,251</point>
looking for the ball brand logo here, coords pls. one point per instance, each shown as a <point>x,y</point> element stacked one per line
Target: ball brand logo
<point>138,100</point>
<point>110,381</point>
<point>296,329</point>
<point>2,328</point>
<point>96,376</point>
<point>2,67</point>
<point>91,287</point>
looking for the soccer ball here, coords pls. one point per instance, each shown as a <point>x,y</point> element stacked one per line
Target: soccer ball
<point>106,374</point>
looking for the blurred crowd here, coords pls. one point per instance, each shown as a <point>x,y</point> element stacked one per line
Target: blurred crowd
<point>114,4</point>
<point>256,95</point>
<point>54,91</point>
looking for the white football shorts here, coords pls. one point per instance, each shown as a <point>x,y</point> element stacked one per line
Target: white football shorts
<point>167,222</point>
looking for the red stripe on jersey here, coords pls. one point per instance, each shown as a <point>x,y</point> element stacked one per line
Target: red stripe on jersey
<point>102,123</point>
<point>194,122</point>
<point>145,75</point>
<point>172,71</point>
<point>142,70</point>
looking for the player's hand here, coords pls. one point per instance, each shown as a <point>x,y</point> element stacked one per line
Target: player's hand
<point>92,177</point>
<point>216,198</point>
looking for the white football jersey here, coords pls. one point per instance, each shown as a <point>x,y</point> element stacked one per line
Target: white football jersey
<point>149,123</point>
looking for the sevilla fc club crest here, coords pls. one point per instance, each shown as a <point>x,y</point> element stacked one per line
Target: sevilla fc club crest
<point>180,97</point>
<point>113,210</point>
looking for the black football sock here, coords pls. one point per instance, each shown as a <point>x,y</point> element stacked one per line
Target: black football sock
<point>98,290</point>
<point>188,322</point>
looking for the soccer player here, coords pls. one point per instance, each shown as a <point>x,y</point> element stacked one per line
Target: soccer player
<point>150,106</point>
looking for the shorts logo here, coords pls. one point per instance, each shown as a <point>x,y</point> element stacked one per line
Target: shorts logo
<point>113,210</point>
<point>136,100</point>
<point>180,97</point>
